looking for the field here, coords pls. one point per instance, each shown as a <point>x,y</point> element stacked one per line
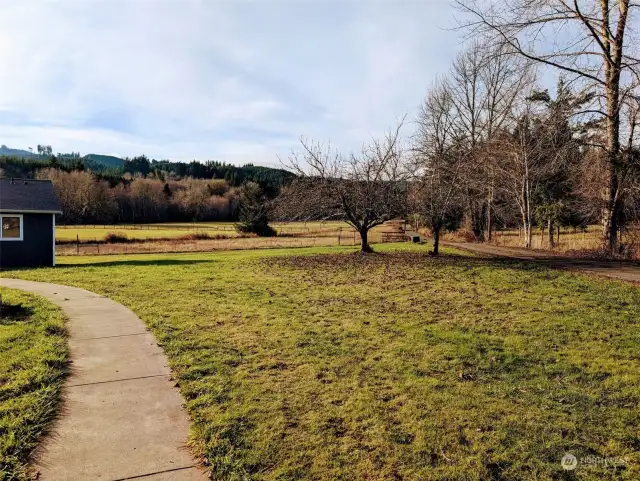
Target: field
<point>33,362</point>
<point>326,364</point>
<point>587,239</point>
<point>204,237</point>
<point>93,233</point>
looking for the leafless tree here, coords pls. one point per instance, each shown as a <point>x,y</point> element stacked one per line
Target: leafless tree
<point>520,169</point>
<point>365,189</point>
<point>437,159</point>
<point>531,158</point>
<point>86,199</point>
<point>590,40</point>
<point>484,83</point>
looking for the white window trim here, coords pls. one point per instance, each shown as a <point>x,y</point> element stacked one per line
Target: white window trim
<point>9,239</point>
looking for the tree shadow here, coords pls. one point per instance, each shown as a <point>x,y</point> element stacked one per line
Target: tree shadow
<point>558,262</point>
<point>11,313</point>
<point>137,262</point>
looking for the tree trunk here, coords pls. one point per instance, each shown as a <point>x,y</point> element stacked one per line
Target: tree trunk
<point>489,203</point>
<point>526,229</point>
<point>477,223</point>
<point>364,241</point>
<point>610,211</point>
<point>436,241</point>
<point>610,194</point>
<point>550,233</point>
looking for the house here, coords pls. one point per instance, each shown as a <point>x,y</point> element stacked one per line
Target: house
<point>28,211</point>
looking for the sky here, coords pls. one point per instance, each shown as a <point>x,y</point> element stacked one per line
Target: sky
<point>230,80</point>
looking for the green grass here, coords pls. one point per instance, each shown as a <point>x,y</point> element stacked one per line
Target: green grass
<point>90,234</point>
<point>33,361</point>
<point>321,364</point>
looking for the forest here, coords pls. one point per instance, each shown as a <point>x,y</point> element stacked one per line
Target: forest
<point>143,191</point>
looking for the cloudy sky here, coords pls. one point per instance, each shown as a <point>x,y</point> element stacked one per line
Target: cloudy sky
<point>230,80</point>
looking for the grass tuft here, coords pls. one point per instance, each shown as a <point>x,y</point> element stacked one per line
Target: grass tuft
<point>33,363</point>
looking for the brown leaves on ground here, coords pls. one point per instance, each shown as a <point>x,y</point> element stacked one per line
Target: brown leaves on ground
<point>359,260</point>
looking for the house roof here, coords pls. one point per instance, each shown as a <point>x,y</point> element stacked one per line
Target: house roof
<point>28,195</point>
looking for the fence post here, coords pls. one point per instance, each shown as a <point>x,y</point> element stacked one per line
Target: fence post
<point>77,244</point>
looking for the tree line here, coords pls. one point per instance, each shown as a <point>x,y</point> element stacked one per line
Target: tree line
<point>86,199</point>
<point>270,179</point>
<point>144,190</point>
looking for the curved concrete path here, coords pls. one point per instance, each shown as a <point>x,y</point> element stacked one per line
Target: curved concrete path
<point>121,417</point>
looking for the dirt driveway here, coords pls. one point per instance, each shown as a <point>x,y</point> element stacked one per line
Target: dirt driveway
<point>621,270</point>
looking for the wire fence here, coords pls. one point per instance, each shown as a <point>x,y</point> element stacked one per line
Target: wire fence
<point>339,238</point>
<point>281,227</point>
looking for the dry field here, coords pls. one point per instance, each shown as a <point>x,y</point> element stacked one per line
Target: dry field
<point>570,240</point>
<point>158,238</point>
<point>174,230</point>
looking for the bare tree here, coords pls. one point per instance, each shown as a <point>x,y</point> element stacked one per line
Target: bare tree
<point>365,189</point>
<point>438,160</point>
<point>484,83</point>
<point>532,157</point>
<point>520,168</point>
<point>588,39</point>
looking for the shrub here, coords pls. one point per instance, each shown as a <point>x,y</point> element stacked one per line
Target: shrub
<point>115,238</point>
<point>196,236</point>
<point>254,212</point>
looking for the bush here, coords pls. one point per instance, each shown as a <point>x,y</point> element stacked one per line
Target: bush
<point>115,238</point>
<point>261,229</point>
<point>254,212</point>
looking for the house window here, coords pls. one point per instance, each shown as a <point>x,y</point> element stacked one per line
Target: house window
<point>11,227</point>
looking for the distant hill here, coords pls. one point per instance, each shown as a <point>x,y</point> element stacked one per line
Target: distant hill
<point>6,151</point>
<point>91,160</point>
<point>22,163</point>
<point>105,160</point>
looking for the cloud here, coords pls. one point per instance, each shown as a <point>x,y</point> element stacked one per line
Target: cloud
<point>235,81</point>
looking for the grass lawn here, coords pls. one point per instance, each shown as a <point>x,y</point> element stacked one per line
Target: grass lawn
<point>321,364</point>
<point>33,361</point>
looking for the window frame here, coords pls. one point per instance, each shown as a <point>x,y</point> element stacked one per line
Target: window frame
<point>9,239</point>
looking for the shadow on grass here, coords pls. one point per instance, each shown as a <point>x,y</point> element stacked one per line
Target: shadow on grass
<point>363,261</point>
<point>131,262</point>
<point>358,259</point>
<point>561,262</point>
<point>134,263</point>
<point>11,313</point>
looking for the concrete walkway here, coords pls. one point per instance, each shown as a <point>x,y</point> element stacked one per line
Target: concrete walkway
<point>621,270</point>
<point>121,417</point>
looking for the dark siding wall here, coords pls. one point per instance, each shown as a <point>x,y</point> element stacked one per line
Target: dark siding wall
<point>36,248</point>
